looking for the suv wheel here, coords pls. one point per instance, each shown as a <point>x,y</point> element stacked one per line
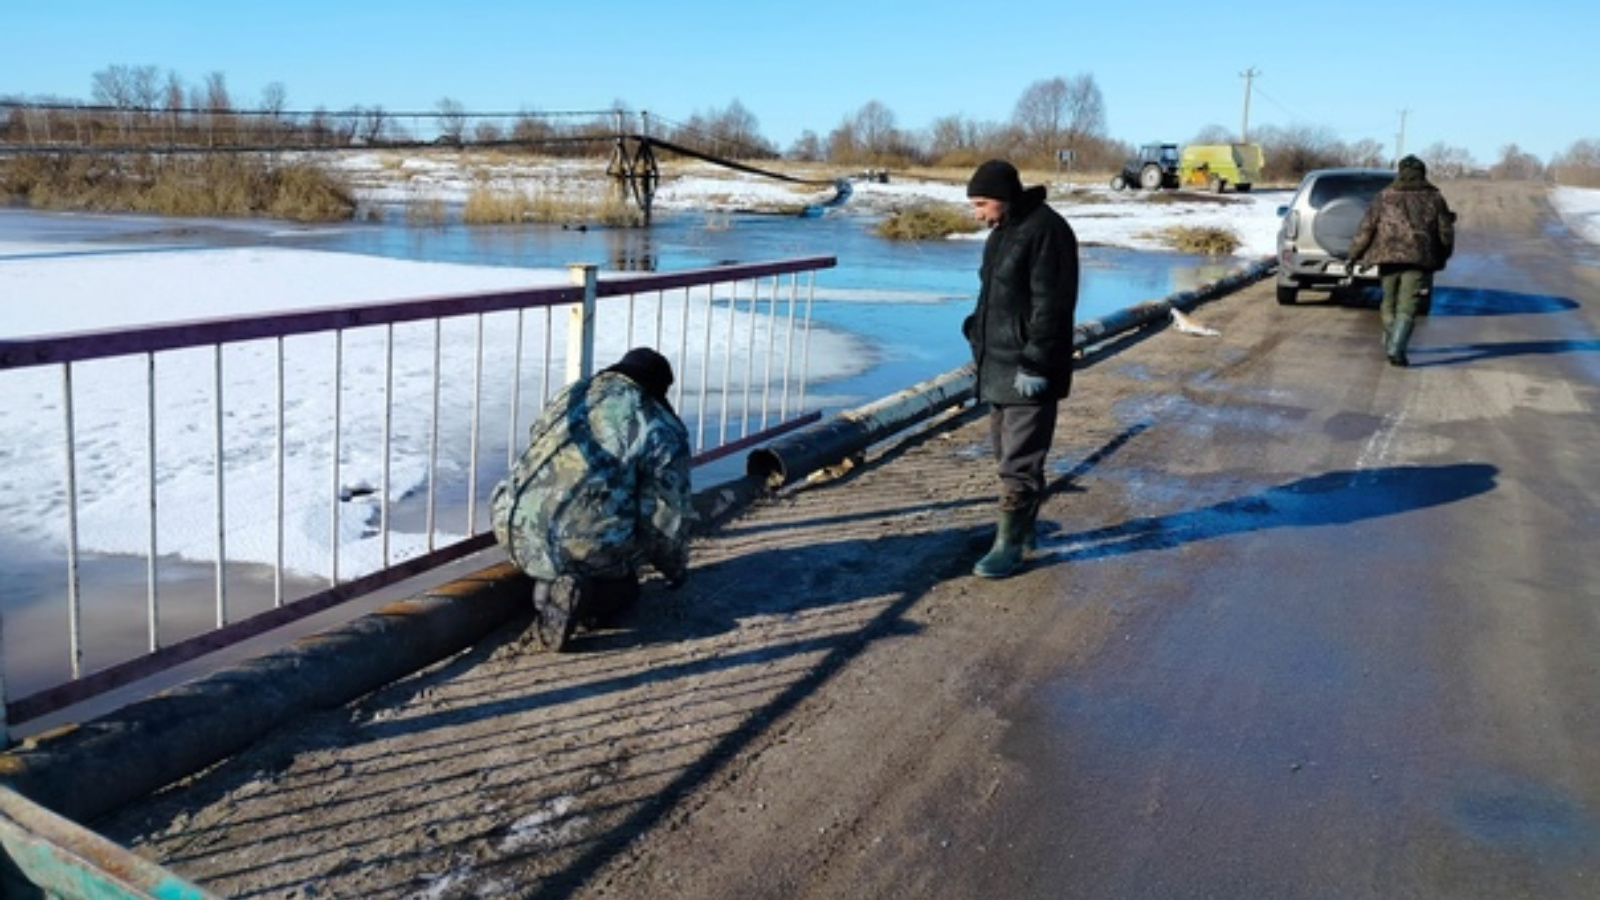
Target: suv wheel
<point>1287,294</point>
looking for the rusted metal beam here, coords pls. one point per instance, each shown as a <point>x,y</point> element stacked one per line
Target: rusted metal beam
<point>47,856</point>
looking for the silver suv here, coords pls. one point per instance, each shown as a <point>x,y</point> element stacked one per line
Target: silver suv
<point>1318,224</point>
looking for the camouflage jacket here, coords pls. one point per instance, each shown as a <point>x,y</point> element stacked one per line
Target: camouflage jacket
<point>602,488</point>
<point>1408,224</point>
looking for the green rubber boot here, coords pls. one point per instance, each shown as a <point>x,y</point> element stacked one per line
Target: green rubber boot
<point>1005,557</point>
<point>1399,337</point>
<point>1028,528</point>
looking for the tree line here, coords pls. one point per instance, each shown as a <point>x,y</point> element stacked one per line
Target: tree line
<point>143,106</point>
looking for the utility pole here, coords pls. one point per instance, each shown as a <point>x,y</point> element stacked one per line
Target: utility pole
<point>1400,138</point>
<point>1244,126</point>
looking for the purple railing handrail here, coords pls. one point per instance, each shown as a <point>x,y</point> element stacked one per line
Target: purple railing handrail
<point>21,353</point>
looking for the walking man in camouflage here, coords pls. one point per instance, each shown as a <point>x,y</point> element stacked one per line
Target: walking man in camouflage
<point>602,489</point>
<point>1408,233</point>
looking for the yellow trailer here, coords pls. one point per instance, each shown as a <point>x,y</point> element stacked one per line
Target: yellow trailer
<point>1217,167</point>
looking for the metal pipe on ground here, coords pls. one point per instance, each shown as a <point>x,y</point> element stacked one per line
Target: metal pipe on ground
<point>854,431</point>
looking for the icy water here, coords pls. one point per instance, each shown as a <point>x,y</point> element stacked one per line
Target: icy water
<point>906,300</point>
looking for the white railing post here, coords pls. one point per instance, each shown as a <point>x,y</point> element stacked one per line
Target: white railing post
<point>580,325</point>
<point>5,735</point>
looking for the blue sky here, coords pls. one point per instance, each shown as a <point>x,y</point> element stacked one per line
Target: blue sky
<point>1470,74</point>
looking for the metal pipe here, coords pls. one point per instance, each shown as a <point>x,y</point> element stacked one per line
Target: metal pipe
<point>854,430</point>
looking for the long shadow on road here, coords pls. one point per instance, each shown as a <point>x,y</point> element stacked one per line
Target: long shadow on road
<point>1333,498</point>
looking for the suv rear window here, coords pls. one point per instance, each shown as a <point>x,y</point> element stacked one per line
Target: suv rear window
<point>1332,187</point>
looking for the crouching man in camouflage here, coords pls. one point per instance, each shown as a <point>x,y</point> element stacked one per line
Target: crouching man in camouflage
<point>602,489</point>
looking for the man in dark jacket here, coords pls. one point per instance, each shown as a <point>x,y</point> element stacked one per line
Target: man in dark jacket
<point>1408,233</point>
<point>1021,339</point>
<point>602,489</point>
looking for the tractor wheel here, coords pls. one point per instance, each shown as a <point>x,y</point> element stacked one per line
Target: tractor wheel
<point>1150,177</point>
<point>1118,182</point>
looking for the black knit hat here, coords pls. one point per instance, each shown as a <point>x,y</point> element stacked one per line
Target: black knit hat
<point>648,369</point>
<point>997,180</point>
<point>1411,162</point>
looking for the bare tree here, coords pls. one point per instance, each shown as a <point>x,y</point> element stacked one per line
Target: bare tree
<point>274,100</point>
<point>1059,113</point>
<point>874,127</point>
<point>452,121</point>
<point>112,86</point>
<point>374,123</point>
<point>1367,152</point>
<point>806,148</point>
<point>1515,165</point>
<point>1445,161</point>
<point>217,99</point>
<point>1579,166</point>
<point>174,104</point>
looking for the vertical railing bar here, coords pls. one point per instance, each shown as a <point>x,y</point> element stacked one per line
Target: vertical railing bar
<point>388,446</point>
<point>727,365</point>
<point>220,483</point>
<point>549,356</point>
<point>772,351</point>
<point>477,412</point>
<point>683,353</point>
<point>433,427</point>
<point>705,371</point>
<point>152,608</point>
<point>805,341</point>
<point>788,351</point>
<point>516,395</point>
<point>661,318</point>
<point>74,601</point>
<point>627,341</point>
<point>750,356</point>
<point>333,495</point>
<point>281,505</point>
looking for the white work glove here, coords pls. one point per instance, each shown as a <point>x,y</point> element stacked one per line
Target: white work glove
<point>1030,385</point>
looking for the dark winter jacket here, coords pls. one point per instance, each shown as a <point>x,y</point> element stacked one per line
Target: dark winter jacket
<point>1026,302</point>
<point>1408,224</point>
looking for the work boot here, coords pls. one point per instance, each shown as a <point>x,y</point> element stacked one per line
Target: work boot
<point>1005,557</point>
<point>1029,526</point>
<point>555,611</point>
<point>1399,337</point>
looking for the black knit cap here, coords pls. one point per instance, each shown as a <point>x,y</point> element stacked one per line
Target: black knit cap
<point>648,369</point>
<point>996,180</point>
<point>1411,162</point>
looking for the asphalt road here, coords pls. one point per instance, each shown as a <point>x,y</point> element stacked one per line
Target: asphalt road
<point>1302,625</point>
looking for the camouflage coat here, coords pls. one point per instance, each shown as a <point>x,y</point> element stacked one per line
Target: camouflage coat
<point>602,488</point>
<point>1408,224</point>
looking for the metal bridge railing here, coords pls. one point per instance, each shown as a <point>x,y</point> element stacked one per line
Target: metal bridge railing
<point>342,450</point>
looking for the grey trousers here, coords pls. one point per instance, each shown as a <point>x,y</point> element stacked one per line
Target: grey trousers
<point>1021,434</point>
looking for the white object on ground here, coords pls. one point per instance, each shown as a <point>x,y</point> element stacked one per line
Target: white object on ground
<point>1187,325</point>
